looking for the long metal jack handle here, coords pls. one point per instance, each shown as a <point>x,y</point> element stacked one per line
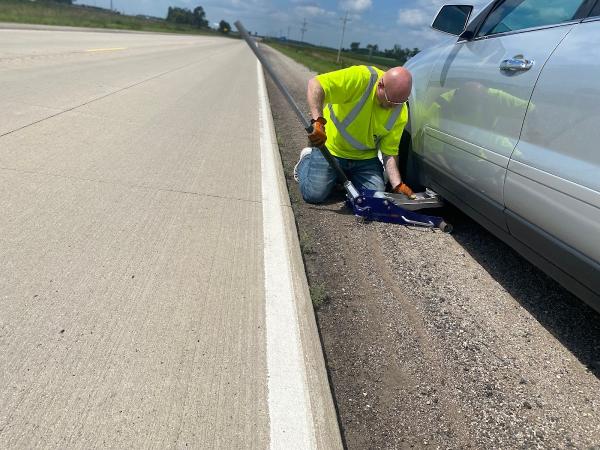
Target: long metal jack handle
<point>350,189</point>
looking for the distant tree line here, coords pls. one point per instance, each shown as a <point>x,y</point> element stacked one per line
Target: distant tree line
<point>185,16</point>
<point>195,18</point>
<point>397,52</point>
<point>224,27</point>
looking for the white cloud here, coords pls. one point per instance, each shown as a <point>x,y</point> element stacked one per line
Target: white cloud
<point>434,5</point>
<point>413,17</point>
<point>309,10</point>
<point>279,16</point>
<point>313,11</point>
<point>355,6</point>
<point>424,37</point>
<point>240,5</point>
<point>415,20</point>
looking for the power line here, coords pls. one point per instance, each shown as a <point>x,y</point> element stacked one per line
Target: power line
<point>302,30</point>
<point>344,20</point>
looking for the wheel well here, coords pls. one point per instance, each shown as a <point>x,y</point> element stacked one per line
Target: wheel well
<point>409,164</point>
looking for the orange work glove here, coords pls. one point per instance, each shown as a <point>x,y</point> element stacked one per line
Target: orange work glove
<point>318,137</point>
<point>404,189</point>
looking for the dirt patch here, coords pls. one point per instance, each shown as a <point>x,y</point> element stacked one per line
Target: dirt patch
<point>436,340</point>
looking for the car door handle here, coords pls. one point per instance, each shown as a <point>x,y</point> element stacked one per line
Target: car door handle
<point>516,65</point>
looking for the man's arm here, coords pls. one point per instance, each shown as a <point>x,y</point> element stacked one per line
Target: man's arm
<point>315,97</point>
<point>391,168</point>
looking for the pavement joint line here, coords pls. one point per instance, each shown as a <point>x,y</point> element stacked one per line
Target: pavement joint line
<point>33,105</point>
<point>134,186</point>
<point>113,49</point>
<point>102,97</point>
<point>291,419</point>
<point>34,56</point>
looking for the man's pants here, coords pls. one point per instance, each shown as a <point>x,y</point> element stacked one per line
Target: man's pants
<point>317,177</point>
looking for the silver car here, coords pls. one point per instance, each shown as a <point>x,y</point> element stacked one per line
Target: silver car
<point>505,124</point>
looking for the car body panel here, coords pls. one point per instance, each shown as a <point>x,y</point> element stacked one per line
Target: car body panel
<point>553,177</point>
<point>564,123</point>
<point>560,214</point>
<point>574,272</point>
<point>525,169</point>
<point>481,120</point>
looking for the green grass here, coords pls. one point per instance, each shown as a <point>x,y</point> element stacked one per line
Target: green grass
<point>318,295</point>
<point>321,60</point>
<point>295,197</point>
<point>307,243</point>
<point>49,13</point>
<point>307,57</point>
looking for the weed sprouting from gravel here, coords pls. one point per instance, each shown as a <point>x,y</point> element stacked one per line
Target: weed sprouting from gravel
<point>307,242</point>
<point>318,295</point>
<point>295,196</point>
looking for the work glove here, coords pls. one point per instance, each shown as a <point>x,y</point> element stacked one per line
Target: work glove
<point>318,137</point>
<point>404,189</point>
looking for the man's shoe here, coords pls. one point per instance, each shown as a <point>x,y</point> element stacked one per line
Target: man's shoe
<point>303,154</point>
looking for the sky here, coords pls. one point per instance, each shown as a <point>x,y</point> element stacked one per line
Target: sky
<point>381,22</point>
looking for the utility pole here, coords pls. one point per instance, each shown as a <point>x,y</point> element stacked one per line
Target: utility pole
<point>289,32</point>
<point>111,5</point>
<point>344,20</point>
<point>302,30</point>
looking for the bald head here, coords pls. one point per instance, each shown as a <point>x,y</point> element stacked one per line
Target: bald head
<point>395,84</point>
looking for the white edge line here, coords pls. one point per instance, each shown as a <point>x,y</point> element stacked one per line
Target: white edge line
<point>290,417</point>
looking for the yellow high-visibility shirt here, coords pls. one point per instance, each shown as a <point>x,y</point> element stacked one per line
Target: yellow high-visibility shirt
<point>373,128</point>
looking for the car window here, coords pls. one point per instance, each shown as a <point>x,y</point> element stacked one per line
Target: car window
<point>596,10</point>
<point>514,15</point>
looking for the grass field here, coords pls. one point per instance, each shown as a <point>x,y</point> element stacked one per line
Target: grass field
<point>323,60</point>
<point>48,13</point>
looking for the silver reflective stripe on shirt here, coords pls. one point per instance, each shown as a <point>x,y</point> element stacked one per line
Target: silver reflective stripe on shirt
<point>342,130</point>
<point>392,120</point>
<point>356,110</point>
<point>342,126</point>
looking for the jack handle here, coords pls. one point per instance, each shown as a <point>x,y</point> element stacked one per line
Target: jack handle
<point>350,189</point>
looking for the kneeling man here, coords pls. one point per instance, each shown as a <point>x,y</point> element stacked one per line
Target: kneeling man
<point>358,111</point>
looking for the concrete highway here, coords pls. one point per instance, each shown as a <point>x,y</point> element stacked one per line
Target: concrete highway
<point>152,292</point>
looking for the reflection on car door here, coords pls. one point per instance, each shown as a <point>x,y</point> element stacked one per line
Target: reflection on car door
<point>553,179</point>
<point>478,98</point>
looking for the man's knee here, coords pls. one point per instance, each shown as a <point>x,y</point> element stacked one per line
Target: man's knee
<point>310,194</point>
<point>377,184</point>
<point>368,174</point>
<point>316,178</point>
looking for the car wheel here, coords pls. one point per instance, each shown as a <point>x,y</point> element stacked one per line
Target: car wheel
<point>410,164</point>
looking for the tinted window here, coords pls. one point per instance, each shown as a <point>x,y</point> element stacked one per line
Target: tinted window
<point>515,15</point>
<point>596,10</point>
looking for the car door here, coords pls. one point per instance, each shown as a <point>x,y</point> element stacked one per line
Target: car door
<point>552,190</point>
<point>478,95</point>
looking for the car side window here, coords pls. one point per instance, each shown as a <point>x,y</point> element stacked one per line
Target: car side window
<point>596,10</point>
<point>513,15</point>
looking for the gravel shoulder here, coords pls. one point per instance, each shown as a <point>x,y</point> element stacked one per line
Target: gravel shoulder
<point>437,340</point>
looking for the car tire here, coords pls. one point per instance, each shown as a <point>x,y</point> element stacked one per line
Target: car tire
<point>410,164</point>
